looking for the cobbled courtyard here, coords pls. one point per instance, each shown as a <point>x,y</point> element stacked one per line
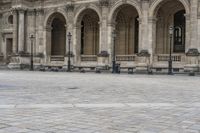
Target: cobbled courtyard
<point>55,102</point>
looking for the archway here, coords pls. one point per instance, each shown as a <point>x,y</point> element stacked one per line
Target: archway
<point>127,30</point>
<point>89,32</point>
<point>170,13</point>
<point>56,35</point>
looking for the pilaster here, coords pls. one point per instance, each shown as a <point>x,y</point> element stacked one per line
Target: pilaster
<point>15,30</point>
<point>103,25</point>
<point>39,13</point>
<point>21,31</point>
<point>30,29</point>
<point>193,24</point>
<point>70,29</point>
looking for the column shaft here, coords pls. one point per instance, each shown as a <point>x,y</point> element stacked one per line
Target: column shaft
<point>21,31</point>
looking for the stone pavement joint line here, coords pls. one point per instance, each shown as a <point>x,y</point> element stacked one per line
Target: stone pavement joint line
<point>113,105</point>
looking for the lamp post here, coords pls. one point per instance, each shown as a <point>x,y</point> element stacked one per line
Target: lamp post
<point>69,53</point>
<point>114,54</point>
<point>171,30</point>
<point>31,57</point>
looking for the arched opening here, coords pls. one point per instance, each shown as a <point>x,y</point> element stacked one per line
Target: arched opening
<point>56,37</point>
<point>127,30</point>
<point>170,13</point>
<point>89,21</point>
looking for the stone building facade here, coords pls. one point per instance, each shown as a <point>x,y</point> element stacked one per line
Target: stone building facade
<point>141,40</point>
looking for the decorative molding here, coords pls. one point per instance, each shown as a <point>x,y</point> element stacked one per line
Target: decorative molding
<point>70,7</point>
<point>187,16</point>
<point>39,11</point>
<point>152,20</point>
<point>104,3</point>
<point>31,12</point>
<point>143,53</point>
<point>103,54</point>
<point>193,52</point>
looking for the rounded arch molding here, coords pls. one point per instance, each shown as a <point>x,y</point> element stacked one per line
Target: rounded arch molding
<point>81,9</point>
<point>50,16</point>
<point>117,5</point>
<point>155,4</point>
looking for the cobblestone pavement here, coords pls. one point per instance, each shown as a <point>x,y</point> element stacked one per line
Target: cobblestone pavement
<point>37,102</point>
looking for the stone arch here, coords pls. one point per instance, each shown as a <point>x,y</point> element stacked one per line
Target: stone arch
<point>80,13</point>
<point>158,3</point>
<point>50,15</point>
<point>125,20</point>
<point>116,7</point>
<point>56,35</point>
<point>165,19</point>
<point>87,31</point>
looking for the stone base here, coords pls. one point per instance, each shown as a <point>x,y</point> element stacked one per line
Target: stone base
<point>191,68</point>
<point>14,66</point>
<point>142,68</point>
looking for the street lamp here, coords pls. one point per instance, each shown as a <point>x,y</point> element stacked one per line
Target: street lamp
<point>31,57</point>
<point>171,30</point>
<point>69,53</point>
<point>114,56</point>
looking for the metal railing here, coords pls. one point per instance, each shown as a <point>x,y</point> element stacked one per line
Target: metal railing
<point>164,57</point>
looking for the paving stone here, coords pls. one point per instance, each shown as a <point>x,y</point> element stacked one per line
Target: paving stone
<point>36,102</point>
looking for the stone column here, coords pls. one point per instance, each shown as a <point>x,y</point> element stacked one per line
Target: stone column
<point>198,35</point>
<point>193,24</point>
<point>30,29</point>
<point>152,37</point>
<point>21,30</point>
<point>70,29</point>
<point>103,36</point>
<point>1,39</point>
<point>15,31</point>
<point>144,47</point>
<point>39,31</point>
<point>110,42</point>
<point>192,55</point>
<point>144,26</point>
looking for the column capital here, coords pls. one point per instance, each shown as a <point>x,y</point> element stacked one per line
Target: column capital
<point>139,20</point>
<point>14,11</point>
<point>31,12</point>
<point>39,11</point>
<point>21,10</point>
<point>112,24</point>
<point>48,28</point>
<point>152,19</point>
<point>187,16</point>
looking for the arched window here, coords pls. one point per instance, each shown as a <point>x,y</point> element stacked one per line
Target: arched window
<point>127,30</point>
<point>179,31</point>
<point>89,37</point>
